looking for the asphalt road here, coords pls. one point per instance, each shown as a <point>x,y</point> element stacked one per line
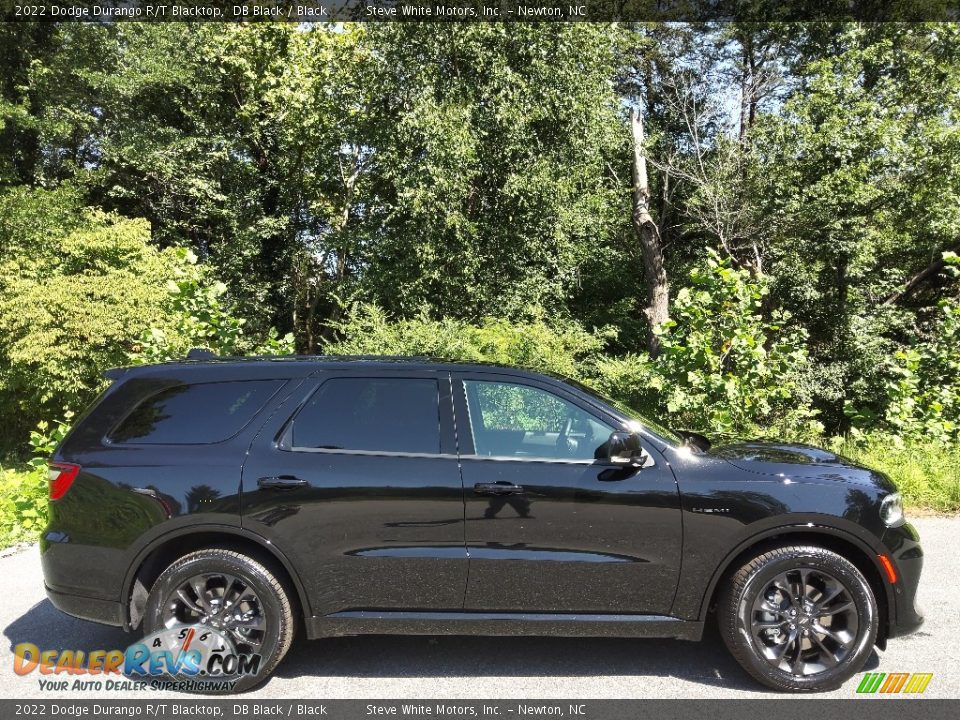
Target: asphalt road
<point>475,667</point>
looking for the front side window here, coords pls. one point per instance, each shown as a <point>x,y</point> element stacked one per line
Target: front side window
<point>511,420</point>
<point>196,414</point>
<point>373,414</point>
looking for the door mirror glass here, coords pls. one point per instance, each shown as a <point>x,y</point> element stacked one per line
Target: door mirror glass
<point>624,448</point>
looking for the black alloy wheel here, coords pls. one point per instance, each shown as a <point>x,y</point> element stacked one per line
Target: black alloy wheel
<point>221,601</point>
<point>232,593</point>
<point>799,618</point>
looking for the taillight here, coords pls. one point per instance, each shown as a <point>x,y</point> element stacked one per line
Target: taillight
<point>61,476</point>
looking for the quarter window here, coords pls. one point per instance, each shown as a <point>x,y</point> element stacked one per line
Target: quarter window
<point>373,414</point>
<point>510,420</point>
<point>196,414</point>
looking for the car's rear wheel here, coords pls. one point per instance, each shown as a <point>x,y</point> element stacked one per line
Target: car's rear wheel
<point>233,594</point>
<point>799,618</point>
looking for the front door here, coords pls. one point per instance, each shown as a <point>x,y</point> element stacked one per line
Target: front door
<point>355,479</point>
<point>549,526</point>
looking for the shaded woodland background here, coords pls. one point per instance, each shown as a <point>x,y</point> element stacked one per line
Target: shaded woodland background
<point>737,228</point>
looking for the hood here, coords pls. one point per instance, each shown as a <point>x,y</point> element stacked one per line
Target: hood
<point>746,453</point>
<point>795,461</point>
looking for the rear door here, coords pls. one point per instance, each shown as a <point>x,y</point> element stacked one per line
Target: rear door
<point>356,480</point>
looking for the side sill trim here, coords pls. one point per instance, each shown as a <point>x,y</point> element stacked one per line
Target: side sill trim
<point>364,622</point>
<point>509,616</point>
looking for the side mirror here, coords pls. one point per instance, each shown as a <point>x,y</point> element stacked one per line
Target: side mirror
<point>624,448</point>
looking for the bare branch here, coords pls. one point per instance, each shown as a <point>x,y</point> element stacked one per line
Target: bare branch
<point>924,276</point>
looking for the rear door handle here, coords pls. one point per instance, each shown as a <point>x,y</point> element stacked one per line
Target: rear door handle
<point>281,482</point>
<point>497,488</point>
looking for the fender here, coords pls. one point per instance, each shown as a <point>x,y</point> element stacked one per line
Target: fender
<point>224,530</point>
<point>795,529</point>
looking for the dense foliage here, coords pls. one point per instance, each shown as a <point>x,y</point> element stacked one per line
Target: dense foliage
<point>561,348</point>
<point>724,367</point>
<point>76,286</point>
<point>467,192</point>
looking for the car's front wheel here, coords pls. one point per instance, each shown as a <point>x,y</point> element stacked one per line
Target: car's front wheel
<point>232,594</point>
<point>799,618</point>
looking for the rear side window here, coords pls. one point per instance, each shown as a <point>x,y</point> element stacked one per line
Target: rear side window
<point>195,414</point>
<point>374,414</point>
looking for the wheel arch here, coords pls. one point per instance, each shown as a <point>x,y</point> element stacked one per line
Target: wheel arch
<point>843,543</point>
<point>153,559</point>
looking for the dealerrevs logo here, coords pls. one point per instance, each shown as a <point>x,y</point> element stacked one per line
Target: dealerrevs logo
<point>179,658</point>
<point>892,683</point>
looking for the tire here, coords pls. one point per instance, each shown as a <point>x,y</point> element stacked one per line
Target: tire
<point>269,606</point>
<point>789,652</point>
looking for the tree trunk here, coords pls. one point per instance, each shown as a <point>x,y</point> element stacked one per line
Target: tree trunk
<point>746,92</point>
<point>655,274</point>
<point>330,285</point>
<point>749,82</point>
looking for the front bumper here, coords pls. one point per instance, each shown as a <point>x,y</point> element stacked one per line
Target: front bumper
<point>903,546</point>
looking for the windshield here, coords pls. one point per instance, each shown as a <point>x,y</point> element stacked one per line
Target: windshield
<point>664,432</point>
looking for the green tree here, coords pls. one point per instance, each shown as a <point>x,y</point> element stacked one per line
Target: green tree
<point>82,290</point>
<point>493,178</point>
<point>722,366</point>
<point>76,286</point>
<point>859,184</point>
<point>175,125</point>
<point>21,45</point>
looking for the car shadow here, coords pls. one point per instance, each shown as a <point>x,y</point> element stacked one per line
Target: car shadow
<point>49,629</point>
<point>706,662</point>
<point>423,657</point>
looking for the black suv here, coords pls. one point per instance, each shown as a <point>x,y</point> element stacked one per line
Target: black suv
<point>347,495</point>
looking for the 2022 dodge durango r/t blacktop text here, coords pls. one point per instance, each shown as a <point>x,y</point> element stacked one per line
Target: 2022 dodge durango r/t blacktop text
<point>375,495</point>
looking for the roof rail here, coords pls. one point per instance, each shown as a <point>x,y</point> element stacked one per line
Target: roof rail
<point>201,354</point>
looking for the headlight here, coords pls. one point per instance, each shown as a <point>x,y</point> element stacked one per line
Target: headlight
<point>891,510</point>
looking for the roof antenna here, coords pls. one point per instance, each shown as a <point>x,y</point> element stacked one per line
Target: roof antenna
<point>201,354</point>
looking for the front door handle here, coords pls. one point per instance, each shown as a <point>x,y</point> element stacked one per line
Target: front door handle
<point>281,482</point>
<point>497,488</point>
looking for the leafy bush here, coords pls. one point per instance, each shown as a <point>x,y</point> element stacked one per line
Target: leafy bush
<point>23,504</point>
<point>76,286</point>
<point>923,399</point>
<point>722,368</point>
<point>44,440</point>
<point>559,347</point>
<point>200,315</point>
<point>24,492</point>
<point>925,471</point>
<point>82,291</point>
